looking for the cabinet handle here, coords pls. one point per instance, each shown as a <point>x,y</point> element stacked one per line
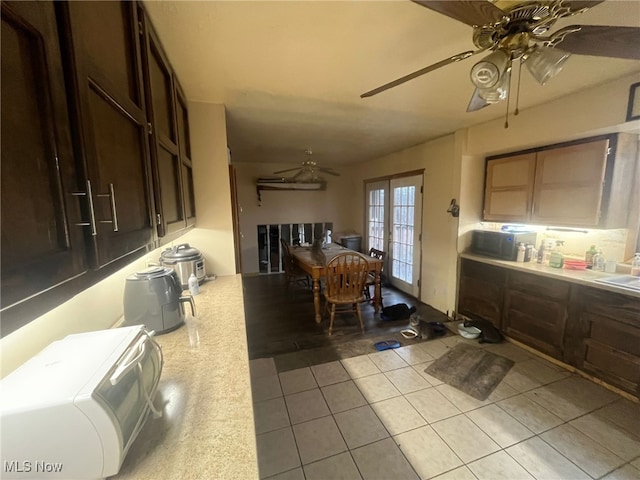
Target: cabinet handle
<point>112,201</point>
<point>92,215</point>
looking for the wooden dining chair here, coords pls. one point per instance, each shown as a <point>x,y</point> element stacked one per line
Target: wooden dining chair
<point>292,273</point>
<point>371,276</point>
<point>346,274</point>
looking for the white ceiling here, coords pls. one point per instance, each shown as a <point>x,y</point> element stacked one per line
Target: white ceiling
<point>290,73</point>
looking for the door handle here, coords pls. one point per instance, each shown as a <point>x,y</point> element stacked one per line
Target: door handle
<point>112,203</point>
<point>92,214</point>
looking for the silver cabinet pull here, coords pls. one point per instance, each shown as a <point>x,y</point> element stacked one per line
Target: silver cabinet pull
<point>92,215</point>
<point>112,201</point>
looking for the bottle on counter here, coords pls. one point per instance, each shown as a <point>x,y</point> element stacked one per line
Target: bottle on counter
<point>528,252</point>
<point>598,261</point>
<point>541,254</point>
<point>194,287</point>
<point>588,256</point>
<point>635,265</point>
<point>556,258</point>
<point>521,252</point>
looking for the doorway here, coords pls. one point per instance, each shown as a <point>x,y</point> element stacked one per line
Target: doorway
<point>394,223</point>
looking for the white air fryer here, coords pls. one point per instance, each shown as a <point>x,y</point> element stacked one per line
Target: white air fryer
<point>154,299</point>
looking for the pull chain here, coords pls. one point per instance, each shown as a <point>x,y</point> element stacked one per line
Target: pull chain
<point>506,120</point>
<point>518,90</point>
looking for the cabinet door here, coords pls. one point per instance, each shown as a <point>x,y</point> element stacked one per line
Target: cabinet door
<point>161,110</point>
<point>608,329</point>
<point>41,244</point>
<point>536,310</point>
<point>185,156</point>
<point>509,188</point>
<point>569,184</point>
<point>480,293</point>
<point>111,109</point>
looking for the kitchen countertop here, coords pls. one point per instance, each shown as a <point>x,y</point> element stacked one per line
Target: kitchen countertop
<point>207,428</point>
<point>582,277</point>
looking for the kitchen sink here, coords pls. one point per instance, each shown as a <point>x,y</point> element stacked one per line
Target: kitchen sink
<point>623,281</point>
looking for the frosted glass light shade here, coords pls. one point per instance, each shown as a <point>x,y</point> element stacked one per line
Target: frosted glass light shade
<point>498,92</point>
<point>487,72</point>
<point>545,62</point>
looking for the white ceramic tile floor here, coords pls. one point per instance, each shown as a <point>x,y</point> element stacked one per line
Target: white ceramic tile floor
<point>379,416</point>
<point>343,396</point>
<point>299,380</point>
<point>330,373</point>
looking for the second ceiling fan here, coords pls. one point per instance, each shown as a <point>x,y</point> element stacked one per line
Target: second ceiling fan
<point>517,32</point>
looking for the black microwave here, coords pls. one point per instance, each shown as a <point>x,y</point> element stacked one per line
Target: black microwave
<point>502,245</point>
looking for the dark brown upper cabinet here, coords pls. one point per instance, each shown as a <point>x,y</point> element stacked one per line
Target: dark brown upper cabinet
<point>585,183</point>
<point>112,127</point>
<point>42,246</point>
<point>169,137</point>
<point>95,144</point>
<point>185,155</point>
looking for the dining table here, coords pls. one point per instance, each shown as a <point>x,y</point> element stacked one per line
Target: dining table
<point>316,270</point>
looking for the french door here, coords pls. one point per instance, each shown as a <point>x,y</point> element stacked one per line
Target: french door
<point>394,222</point>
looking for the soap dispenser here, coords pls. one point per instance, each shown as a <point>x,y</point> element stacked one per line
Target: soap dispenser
<point>556,258</point>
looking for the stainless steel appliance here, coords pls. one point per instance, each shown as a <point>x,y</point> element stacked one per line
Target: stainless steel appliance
<point>185,260</point>
<point>154,298</point>
<point>74,409</point>
<point>501,245</point>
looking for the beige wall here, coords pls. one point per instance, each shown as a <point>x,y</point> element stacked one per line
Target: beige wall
<point>214,233</point>
<point>330,205</point>
<point>439,229</point>
<point>100,306</point>
<point>595,111</point>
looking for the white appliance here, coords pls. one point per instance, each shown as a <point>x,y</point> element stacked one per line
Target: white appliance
<point>74,409</point>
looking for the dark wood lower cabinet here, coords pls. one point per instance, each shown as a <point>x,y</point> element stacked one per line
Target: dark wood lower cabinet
<point>605,336</point>
<point>592,329</point>
<point>536,311</point>
<point>481,291</point>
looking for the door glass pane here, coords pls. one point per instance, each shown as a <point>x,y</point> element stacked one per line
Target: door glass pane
<point>376,219</point>
<point>403,218</point>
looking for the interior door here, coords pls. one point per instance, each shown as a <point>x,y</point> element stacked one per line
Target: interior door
<point>404,239</point>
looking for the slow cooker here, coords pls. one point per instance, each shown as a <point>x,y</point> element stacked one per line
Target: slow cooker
<point>185,260</point>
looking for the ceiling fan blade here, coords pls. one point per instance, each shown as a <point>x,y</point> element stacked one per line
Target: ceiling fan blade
<point>476,102</point>
<point>474,12</point>
<point>411,76</point>
<point>287,170</point>
<point>329,171</point>
<point>600,41</point>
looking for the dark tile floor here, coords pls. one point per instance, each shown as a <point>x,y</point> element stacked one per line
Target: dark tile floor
<point>280,324</point>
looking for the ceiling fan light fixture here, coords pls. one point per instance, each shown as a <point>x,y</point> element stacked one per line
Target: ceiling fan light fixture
<point>498,92</point>
<point>487,72</point>
<point>545,62</point>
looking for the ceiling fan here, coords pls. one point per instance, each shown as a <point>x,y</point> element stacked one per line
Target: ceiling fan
<point>308,171</point>
<point>516,31</point>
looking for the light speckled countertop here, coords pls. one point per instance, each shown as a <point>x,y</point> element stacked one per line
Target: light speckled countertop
<point>207,429</point>
<point>582,277</point>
